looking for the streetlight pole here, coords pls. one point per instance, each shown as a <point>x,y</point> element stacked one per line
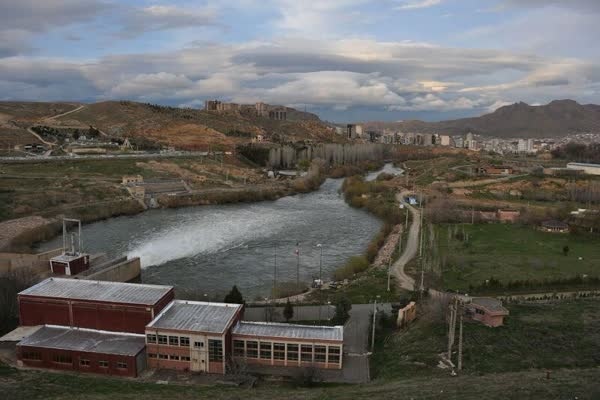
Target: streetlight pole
<point>275,272</point>
<point>298,266</point>
<point>320,246</point>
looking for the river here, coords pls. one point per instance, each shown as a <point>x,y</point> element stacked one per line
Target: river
<point>207,249</point>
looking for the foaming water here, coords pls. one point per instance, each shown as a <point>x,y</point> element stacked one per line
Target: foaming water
<point>208,249</point>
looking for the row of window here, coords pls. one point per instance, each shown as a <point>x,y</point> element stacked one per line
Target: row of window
<point>67,359</point>
<point>182,341</point>
<point>277,351</point>
<point>171,357</point>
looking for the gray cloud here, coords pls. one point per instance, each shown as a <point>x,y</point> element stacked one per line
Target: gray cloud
<point>159,18</point>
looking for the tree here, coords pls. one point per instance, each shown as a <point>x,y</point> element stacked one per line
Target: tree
<point>234,296</point>
<point>288,311</point>
<point>566,250</point>
<point>342,311</point>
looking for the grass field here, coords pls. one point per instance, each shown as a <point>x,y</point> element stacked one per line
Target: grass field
<point>534,336</point>
<point>511,252</point>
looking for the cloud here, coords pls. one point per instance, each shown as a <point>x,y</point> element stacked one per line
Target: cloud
<point>418,4</point>
<point>159,18</point>
<point>578,5</point>
<point>20,20</point>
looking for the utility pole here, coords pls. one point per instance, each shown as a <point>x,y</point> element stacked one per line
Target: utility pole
<point>389,273</point>
<point>275,272</point>
<point>451,329</point>
<point>374,322</point>
<point>297,266</point>
<point>460,340</point>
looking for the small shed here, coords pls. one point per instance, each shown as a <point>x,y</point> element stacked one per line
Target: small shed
<point>553,226</point>
<point>487,310</point>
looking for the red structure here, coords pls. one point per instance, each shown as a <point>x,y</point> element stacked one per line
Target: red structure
<point>108,306</point>
<point>83,350</point>
<point>66,264</point>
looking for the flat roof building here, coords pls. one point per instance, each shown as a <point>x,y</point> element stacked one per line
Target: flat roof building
<point>192,336</point>
<point>288,345</point>
<point>109,306</point>
<point>487,310</point>
<point>83,350</point>
<point>590,169</point>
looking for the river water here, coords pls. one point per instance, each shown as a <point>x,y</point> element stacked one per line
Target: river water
<point>207,249</point>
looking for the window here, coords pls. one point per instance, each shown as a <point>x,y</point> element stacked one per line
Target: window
<point>292,350</point>
<point>185,358</point>
<point>279,351</point>
<point>151,355</point>
<point>265,350</point>
<point>251,349</point>
<point>198,344</point>
<point>32,355</point>
<point>306,352</point>
<point>215,350</point>
<point>173,340</point>
<point>163,356</point>
<point>184,341</point>
<point>121,365</point>
<point>84,363</point>
<point>238,348</point>
<point>334,355</point>
<point>162,339</point>
<point>174,357</point>
<point>151,338</point>
<point>103,364</point>
<point>478,311</point>
<point>62,359</point>
<point>320,353</point>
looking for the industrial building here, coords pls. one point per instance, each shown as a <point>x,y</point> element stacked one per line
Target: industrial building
<point>108,306</point>
<point>192,336</point>
<point>83,350</point>
<point>590,169</point>
<point>288,345</point>
<point>119,328</point>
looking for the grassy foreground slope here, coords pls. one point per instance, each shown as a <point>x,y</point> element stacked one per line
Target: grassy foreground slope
<point>564,384</point>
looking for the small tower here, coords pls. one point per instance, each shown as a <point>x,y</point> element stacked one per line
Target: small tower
<point>73,260</point>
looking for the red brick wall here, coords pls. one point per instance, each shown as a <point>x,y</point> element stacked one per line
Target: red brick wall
<point>94,358</point>
<point>93,315</point>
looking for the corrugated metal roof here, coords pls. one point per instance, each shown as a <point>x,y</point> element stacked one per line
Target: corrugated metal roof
<point>196,316</point>
<point>114,292</point>
<point>289,331</point>
<point>87,340</point>
<point>489,303</point>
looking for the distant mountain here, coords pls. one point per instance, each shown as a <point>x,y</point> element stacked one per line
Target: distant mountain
<point>556,119</point>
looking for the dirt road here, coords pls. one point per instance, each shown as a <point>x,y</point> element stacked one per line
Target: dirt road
<point>412,246</point>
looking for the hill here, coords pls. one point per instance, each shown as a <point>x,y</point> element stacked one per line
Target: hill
<point>556,119</point>
<point>183,128</point>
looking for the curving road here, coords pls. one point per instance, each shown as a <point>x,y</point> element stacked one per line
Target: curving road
<point>412,246</point>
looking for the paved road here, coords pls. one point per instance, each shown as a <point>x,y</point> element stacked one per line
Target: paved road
<point>411,249</point>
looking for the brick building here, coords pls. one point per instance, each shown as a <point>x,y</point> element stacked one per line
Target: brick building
<point>487,310</point>
<point>192,336</point>
<point>108,306</point>
<point>288,345</point>
<point>83,350</point>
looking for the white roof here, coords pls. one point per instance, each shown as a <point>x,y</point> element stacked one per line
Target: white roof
<point>113,292</point>
<point>198,316</point>
<point>85,340</point>
<point>289,331</point>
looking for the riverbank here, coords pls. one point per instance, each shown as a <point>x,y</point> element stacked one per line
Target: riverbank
<point>21,234</point>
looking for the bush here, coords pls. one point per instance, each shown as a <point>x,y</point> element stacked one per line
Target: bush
<point>353,266</point>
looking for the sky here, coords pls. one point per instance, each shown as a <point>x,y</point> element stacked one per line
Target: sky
<point>346,60</point>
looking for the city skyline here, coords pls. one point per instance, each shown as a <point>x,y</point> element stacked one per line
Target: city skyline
<point>346,60</point>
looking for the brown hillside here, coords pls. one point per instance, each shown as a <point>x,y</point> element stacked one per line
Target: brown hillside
<point>190,128</point>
